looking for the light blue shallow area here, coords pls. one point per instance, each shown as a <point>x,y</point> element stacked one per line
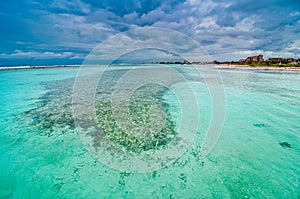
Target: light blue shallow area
<point>262,111</point>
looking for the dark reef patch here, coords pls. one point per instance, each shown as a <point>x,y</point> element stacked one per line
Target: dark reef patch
<point>260,125</point>
<point>285,145</point>
<point>140,108</point>
<point>54,113</point>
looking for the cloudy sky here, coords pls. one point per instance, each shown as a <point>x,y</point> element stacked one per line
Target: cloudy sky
<point>35,32</point>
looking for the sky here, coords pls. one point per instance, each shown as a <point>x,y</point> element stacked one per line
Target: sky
<point>45,32</point>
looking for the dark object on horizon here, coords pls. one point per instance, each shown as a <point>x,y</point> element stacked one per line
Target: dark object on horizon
<point>185,62</point>
<point>285,145</point>
<point>290,60</point>
<point>259,61</point>
<point>282,60</point>
<point>255,59</point>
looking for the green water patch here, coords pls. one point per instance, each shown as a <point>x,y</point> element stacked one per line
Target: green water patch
<point>50,119</point>
<point>53,111</point>
<point>141,105</point>
<point>54,114</point>
<point>48,160</point>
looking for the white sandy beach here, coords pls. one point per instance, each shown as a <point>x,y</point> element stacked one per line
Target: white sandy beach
<point>259,67</point>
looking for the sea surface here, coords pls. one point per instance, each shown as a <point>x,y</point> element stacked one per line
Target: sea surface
<point>256,156</point>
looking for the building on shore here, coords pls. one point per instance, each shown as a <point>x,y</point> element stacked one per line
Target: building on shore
<point>275,60</point>
<point>255,59</point>
<point>282,60</point>
<point>290,60</point>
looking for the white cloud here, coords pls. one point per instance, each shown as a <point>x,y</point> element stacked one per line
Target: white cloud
<point>202,7</point>
<point>267,54</point>
<point>152,16</point>
<point>295,14</point>
<point>295,46</point>
<point>75,32</point>
<point>40,55</point>
<point>131,17</point>
<point>154,42</point>
<point>228,30</point>
<point>70,6</point>
<point>207,22</point>
<point>247,24</point>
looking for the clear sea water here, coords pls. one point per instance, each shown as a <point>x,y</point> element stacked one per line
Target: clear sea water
<point>42,156</point>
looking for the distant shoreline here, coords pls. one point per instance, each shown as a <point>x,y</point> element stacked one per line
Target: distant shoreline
<point>281,68</point>
<point>36,67</point>
<point>232,66</point>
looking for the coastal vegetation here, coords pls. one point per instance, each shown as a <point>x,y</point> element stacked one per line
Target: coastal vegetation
<point>260,61</point>
<point>254,61</point>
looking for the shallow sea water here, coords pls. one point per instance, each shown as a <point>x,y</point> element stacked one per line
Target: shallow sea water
<point>42,155</point>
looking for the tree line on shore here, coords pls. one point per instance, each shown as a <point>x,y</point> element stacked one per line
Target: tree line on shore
<point>260,61</point>
<point>252,61</point>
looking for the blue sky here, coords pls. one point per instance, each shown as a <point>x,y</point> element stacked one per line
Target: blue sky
<point>64,31</point>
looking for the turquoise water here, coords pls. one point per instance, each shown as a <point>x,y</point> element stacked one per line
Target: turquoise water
<point>42,155</point>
